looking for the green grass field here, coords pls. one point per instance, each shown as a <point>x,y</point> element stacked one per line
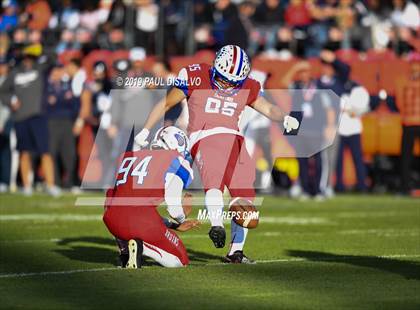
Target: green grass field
<point>354,252</point>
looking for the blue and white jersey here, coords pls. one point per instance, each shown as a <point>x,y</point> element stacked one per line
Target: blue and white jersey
<point>181,167</point>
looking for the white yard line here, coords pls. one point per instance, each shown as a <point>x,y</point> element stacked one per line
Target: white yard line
<point>268,261</point>
<point>30,241</point>
<point>197,200</point>
<point>72,217</point>
<point>48,273</point>
<point>387,232</point>
<point>372,213</point>
<point>51,217</point>
<point>379,232</point>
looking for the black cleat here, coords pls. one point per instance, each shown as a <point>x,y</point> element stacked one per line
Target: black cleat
<point>238,257</point>
<point>123,258</point>
<point>217,234</point>
<point>135,250</point>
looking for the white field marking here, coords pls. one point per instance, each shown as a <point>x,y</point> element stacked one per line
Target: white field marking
<point>267,261</point>
<point>271,234</point>
<point>294,220</point>
<point>290,220</point>
<point>30,240</point>
<point>47,204</point>
<point>383,232</point>
<point>372,213</point>
<point>198,236</point>
<point>51,217</point>
<point>399,256</point>
<point>135,201</point>
<point>290,233</point>
<point>379,232</point>
<point>48,273</point>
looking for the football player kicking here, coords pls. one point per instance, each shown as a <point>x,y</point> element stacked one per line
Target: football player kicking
<point>145,179</point>
<point>216,97</point>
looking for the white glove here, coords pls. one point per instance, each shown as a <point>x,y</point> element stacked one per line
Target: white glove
<point>140,140</point>
<point>290,123</point>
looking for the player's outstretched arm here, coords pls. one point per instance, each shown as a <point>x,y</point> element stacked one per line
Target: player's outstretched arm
<point>174,97</point>
<point>188,224</point>
<point>274,113</point>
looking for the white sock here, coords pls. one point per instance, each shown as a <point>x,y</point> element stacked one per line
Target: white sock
<point>266,179</point>
<point>238,236</point>
<point>214,205</point>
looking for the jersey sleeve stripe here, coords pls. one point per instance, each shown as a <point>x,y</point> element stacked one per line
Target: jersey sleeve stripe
<point>178,168</point>
<point>181,82</point>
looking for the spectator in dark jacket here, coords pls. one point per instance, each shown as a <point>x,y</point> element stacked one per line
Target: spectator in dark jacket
<point>117,15</point>
<point>5,128</point>
<point>96,97</point>
<point>26,83</point>
<point>61,110</point>
<point>268,18</point>
<point>318,119</point>
<point>335,77</point>
<point>241,27</point>
<point>223,13</point>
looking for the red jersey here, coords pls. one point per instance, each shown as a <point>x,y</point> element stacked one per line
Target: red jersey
<point>141,177</point>
<point>209,111</point>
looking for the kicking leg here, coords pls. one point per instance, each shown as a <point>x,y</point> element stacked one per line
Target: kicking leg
<point>214,205</point>
<point>240,186</point>
<point>211,157</point>
<point>236,254</point>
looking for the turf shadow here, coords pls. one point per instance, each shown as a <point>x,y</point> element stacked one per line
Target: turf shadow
<point>93,253</point>
<point>90,239</point>
<point>198,256</point>
<point>409,270</point>
<point>89,254</point>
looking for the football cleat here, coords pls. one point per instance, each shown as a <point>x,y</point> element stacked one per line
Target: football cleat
<point>238,257</point>
<point>123,258</point>
<point>135,250</point>
<point>217,234</point>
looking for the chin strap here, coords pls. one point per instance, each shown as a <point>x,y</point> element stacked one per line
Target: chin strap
<point>219,88</point>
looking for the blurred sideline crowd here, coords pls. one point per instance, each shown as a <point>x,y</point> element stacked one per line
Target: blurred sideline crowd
<point>59,61</point>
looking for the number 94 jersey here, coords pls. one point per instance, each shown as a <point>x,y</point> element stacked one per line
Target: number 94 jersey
<point>211,112</point>
<point>142,176</point>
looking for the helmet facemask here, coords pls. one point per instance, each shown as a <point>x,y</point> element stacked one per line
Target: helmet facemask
<point>223,86</point>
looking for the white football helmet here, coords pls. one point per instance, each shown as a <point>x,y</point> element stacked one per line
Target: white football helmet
<point>230,67</point>
<point>171,138</point>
